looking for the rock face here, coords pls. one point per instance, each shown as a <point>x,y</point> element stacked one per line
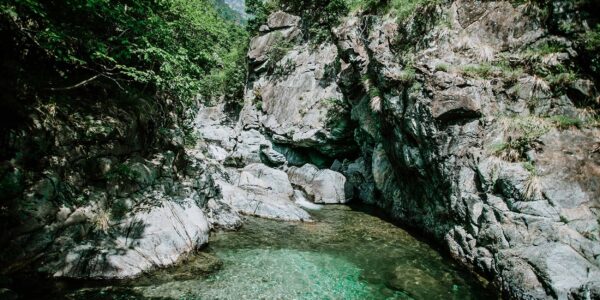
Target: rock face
<point>154,238</point>
<point>102,198</point>
<point>293,97</point>
<point>454,136</point>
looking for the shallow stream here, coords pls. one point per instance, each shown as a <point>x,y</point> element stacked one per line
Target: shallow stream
<point>346,254</point>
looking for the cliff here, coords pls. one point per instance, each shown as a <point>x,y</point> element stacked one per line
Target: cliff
<point>473,122</point>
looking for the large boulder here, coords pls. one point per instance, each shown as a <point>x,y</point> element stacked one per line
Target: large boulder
<point>262,191</point>
<point>154,237</point>
<point>281,27</point>
<point>322,186</point>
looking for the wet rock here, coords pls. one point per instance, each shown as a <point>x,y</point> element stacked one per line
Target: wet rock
<point>413,281</point>
<point>189,268</point>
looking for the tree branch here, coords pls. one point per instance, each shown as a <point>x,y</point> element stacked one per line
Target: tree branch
<point>76,85</point>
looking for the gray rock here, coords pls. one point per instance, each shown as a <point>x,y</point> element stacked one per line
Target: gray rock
<point>272,157</point>
<point>264,192</point>
<point>264,28</point>
<point>280,19</point>
<point>427,148</point>
<point>322,186</point>
<point>155,237</point>
<point>247,148</point>
<point>456,104</point>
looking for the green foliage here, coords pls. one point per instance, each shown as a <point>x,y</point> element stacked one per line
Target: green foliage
<point>318,16</point>
<point>168,49</point>
<point>408,75</point>
<point>284,69</point>
<point>546,48</point>
<point>521,134</point>
<point>122,172</point>
<point>500,68</point>
<point>442,67</point>
<point>530,167</point>
<point>398,8</point>
<point>591,43</point>
<point>280,48</point>
<point>561,81</point>
<point>258,11</point>
<point>478,71</point>
<point>566,122</point>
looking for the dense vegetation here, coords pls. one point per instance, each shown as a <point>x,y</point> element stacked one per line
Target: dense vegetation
<point>168,52</point>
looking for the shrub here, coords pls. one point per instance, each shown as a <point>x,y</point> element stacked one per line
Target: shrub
<point>521,134</point>
<point>173,52</point>
<point>478,71</point>
<point>566,122</point>
<point>408,75</point>
<point>401,9</point>
<point>591,44</point>
<point>277,52</point>
<point>560,82</point>
<point>442,67</point>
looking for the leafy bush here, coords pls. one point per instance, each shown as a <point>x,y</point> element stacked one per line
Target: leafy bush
<point>399,8</point>
<point>280,48</point>
<point>258,11</point>
<point>318,16</point>
<point>122,172</point>
<point>169,50</point>
<point>591,43</point>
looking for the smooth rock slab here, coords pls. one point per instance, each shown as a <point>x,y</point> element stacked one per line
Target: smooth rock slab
<point>154,238</point>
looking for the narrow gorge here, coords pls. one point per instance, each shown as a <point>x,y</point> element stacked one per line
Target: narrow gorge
<point>344,149</point>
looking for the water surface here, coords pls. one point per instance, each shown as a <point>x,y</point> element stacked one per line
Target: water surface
<point>345,254</point>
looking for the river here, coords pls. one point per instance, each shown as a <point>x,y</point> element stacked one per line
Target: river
<point>347,253</point>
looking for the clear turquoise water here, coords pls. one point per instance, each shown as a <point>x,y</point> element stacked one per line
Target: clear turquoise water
<point>345,254</point>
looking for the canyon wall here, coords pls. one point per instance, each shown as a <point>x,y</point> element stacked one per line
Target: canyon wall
<point>444,120</point>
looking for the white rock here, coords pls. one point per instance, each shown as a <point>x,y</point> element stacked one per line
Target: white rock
<point>323,186</point>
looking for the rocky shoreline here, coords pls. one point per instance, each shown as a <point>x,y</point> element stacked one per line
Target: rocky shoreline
<point>432,119</point>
